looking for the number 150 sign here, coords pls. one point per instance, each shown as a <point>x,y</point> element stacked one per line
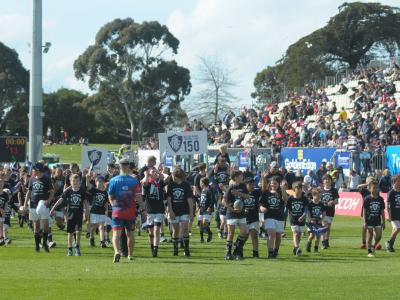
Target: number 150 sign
<point>183,143</point>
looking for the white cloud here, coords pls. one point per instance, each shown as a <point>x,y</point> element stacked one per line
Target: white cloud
<point>248,35</point>
<point>72,83</point>
<point>14,27</point>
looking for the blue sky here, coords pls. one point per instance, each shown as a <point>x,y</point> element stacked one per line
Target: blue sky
<point>247,35</point>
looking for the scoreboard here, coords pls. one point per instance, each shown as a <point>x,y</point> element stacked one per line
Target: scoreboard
<point>12,149</point>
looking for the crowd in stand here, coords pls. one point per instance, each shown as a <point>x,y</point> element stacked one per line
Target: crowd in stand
<point>371,120</point>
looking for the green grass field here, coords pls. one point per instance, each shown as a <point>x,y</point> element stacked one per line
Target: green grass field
<point>342,272</point>
<point>69,153</point>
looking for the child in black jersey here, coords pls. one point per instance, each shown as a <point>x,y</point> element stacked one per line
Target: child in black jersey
<point>393,210</point>
<point>374,216</point>
<point>297,207</point>
<point>207,201</point>
<point>316,214</point>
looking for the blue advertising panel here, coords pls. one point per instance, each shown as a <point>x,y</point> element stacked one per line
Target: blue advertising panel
<point>169,161</point>
<point>393,159</point>
<point>243,160</point>
<point>305,159</point>
<point>343,160</point>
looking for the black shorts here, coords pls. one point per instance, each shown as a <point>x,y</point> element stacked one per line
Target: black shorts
<point>74,224</point>
<point>374,223</point>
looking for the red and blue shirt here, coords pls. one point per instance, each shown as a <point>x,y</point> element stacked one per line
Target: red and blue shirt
<point>123,189</point>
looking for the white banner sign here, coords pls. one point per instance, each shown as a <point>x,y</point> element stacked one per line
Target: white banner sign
<point>183,143</point>
<point>143,155</point>
<point>95,158</point>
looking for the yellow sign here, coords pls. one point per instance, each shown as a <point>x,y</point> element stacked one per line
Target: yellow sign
<point>300,154</point>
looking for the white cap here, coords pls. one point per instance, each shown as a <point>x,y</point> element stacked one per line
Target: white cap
<point>274,164</point>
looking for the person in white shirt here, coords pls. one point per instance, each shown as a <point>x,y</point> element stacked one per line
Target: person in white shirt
<point>354,181</point>
<point>310,179</point>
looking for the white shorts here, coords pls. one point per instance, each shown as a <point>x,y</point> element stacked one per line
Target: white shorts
<point>254,226</point>
<point>396,224</point>
<point>59,214</point>
<point>234,222</point>
<point>97,219</point>
<point>42,225</point>
<point>272,224</point>
<point>154,218</point>
<point>205,217</point>
<point>178,219</point>
<point>36,215</point>
<point>297,228</point>
<point>107,221</point>
<point>328,220</point>
<point>374,227</point>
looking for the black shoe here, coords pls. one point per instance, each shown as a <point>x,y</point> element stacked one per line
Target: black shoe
<point>46,248</point>
<point>235,251</point>
<point>239,257</point>
<point>389,247</point>
<point>154,252</point>
<point>103,245</point>
<point>294,251</point>
<point>271,255</point>
<point>308,247</point>
<point>124,254</point>
<point>228,256</point>
<point>37,249</point>
<point>116,258</point>
<point>2,242</point>
<point>276,253</point>
<point>91,243</point>
<point>324,245</point>
<point>186,253</point>
<point>210,237</point>
<point>175,252</point>
<point>255,254</point>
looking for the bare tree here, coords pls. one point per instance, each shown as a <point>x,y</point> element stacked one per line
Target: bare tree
<point>214,96</point>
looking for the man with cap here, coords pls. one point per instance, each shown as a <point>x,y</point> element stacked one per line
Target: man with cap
<point>124,192</point>
<point>40,194</point>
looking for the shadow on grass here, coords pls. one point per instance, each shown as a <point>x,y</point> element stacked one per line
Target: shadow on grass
<point>329,259</point>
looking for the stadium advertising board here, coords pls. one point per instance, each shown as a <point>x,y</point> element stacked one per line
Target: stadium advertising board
<point>305,159</point>
<point>351,203</point>
<point>12,149</point>
<point>393,159</point>
<point>243,160</point>
<point>183,143</point>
